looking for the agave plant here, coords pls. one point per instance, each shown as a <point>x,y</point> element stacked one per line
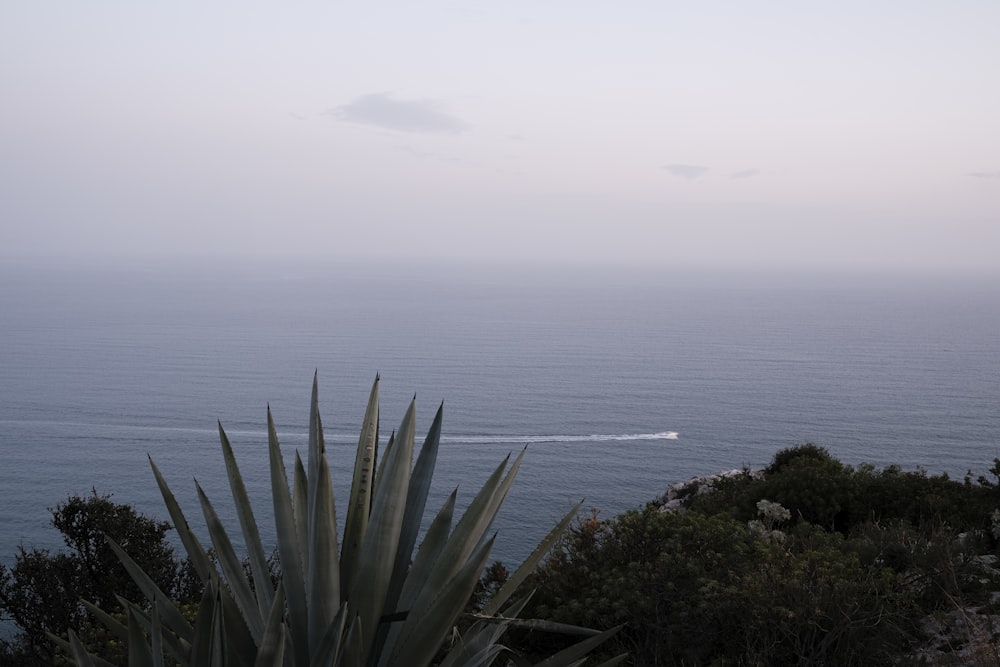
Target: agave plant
<point>370,600</point>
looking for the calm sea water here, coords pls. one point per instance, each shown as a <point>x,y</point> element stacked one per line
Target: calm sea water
<point>620,383</point>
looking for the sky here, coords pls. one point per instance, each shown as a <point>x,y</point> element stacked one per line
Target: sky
<point>843,135</point>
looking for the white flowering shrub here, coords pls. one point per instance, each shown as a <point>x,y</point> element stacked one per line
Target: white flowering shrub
<point>771,514</point>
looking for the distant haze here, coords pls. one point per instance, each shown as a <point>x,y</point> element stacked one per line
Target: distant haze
<point>846,136</point>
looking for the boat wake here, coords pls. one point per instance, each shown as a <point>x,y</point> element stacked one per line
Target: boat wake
<point>515,439</point>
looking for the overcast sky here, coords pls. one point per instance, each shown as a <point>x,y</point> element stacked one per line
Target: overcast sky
<point>837,134</point>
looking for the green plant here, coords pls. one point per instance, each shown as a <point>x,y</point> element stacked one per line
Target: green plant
<point>807,452</point>
<point>692,589</point>
<point>41,591</point>
<point>368,600</point>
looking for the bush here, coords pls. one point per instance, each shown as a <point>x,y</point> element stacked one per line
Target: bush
<point>819,490</point>
<point>42,591</point>
<point>806,452</point>
<point>697,589</point>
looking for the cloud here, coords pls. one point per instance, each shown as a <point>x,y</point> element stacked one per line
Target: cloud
<point>410,150</point>
<point>380,110</point>
<point>745,173</point>
<point>688,171</point>
<point>985,174</point>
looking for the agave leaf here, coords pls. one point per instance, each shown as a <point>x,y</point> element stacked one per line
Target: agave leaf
<point>221,635</point>
<point>139,654</point>
<point>238,645</point>
<point>156,637</point>
<point>248,524</point>
<point>330,644</point>
<point>486,655</point>
<point>416,503</point>
<point>476,647</point>
<point>196,553</point>
<point>375,457</point>
<point>179,648</point>
<point>300,509</point>
<point>482,512</point>
<point>467,534</point>
<point>272,645</point>
<point>570,656</point>
<point>427,556</point>
<point>116,627</point>
<point>378,552</point>
<point>353,653</point>
<point>289,549</point>
<point>323,584</point>
<point>427,625</point>
<point>429,552</point>
<point>172,617</point>
<point>480,643</point>
<point>315,449</point>
<point>466,539</point>
<point>65,645</point>
<point>207,649</point>
<point>501,596</point>
<point>79,651</point>
<point>381,465</point>
<point>232,568</point>
<point>359,505</point>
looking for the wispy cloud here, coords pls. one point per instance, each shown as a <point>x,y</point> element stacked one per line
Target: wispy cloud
<point>745,173</point>
<point>985,174</point>
<point>410,150</point>
<point>381,110</point>
<point>688,171</point>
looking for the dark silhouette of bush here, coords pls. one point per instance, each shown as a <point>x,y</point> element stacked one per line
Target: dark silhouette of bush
<point>42,591</point>
<point>818,490</point>
<point>697,589</point>
<point>864,556</point>
<point>807,451</point>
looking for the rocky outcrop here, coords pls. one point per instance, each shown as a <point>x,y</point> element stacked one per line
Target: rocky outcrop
<point>679,494</point>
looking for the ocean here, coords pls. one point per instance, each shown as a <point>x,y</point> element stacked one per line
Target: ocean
<point>619,381</point>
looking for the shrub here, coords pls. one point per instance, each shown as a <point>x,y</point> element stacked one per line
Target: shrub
<point>697,589</point>
<point>806,452</point>
<point>42,591</point>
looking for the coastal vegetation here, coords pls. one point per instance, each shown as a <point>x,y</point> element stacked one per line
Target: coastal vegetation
<point>807,562</point>
<point>41,592</point>
<point>363,596</point>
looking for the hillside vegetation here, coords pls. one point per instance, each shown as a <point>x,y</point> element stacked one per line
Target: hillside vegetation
<point>808,562</point>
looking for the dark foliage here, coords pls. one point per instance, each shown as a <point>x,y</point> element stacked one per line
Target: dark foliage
<point>694,589</point>
<point>42,591</point>
<point>863,556</point>
<point>806,452</point>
